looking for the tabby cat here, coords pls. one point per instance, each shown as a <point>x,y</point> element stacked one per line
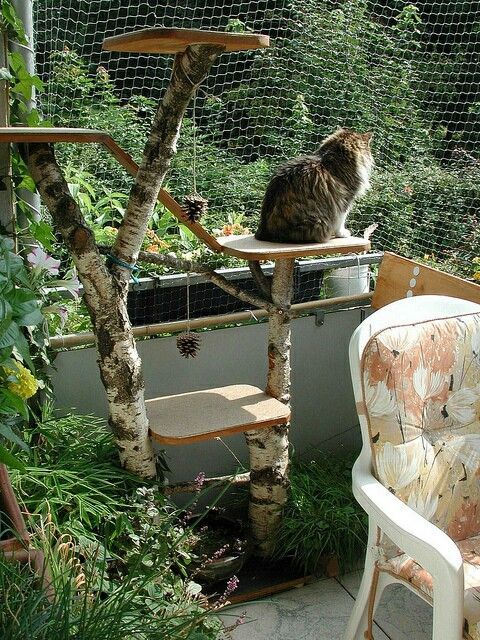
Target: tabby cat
<point>308,198</point>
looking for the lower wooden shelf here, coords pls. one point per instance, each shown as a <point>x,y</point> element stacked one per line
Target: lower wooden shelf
<point>204,415</point>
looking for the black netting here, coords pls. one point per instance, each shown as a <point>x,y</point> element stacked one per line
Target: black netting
<point>407,71</point>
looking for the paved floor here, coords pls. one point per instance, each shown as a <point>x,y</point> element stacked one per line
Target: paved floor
<point>320,611</point>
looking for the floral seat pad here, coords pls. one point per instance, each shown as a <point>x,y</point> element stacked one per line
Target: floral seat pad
<point>403,567</point>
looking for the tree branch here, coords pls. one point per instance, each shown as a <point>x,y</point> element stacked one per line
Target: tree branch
<point>192,486</point>
<point>189,70</point>
<point>70,223</point>
<point>263,282</point>
<point>196,267</point>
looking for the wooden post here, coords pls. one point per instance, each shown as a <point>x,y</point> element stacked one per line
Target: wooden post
<point>268,448</point>
<point>7,218</point>
<point>24,10</point>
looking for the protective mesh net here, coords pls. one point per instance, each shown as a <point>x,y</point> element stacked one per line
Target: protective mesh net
<point>406,71</point>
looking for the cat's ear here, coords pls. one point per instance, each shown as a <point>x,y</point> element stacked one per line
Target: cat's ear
<point>367,136</point>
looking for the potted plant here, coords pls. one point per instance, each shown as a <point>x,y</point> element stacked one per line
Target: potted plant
<point>220,546</point>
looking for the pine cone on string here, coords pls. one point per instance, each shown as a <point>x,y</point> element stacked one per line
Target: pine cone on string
<point>188,344</point>
<point>194,206</point>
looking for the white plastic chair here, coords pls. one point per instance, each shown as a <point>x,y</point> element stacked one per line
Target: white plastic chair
<point>404,546</point>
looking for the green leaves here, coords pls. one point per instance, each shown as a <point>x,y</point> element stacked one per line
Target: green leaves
<point>23,83</point>
<point>19,310</point>
<point>10,23</point>
<point>8,459</point>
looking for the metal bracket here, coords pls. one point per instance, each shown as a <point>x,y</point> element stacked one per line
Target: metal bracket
<point>319,317</point>
<point>361,305</point>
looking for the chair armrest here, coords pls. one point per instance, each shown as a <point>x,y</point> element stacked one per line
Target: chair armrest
<point>428,545</point>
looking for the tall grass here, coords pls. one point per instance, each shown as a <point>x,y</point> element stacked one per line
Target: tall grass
<point>322,518</point>
<point>116,546</point>
<point>85,607</point>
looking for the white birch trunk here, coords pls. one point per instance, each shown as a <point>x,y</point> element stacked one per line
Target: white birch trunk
<point>189,70</point>
<point>268,448</point>
<point>118,360</point>
<point>105,289</point>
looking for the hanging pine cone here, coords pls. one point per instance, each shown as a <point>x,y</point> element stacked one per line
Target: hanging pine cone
<point>188,344</point>
<point>194,206</point>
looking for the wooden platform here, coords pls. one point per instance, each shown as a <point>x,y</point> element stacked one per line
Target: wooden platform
<point>204,415</point>
<point>162,40</point>
<point>249,248</point>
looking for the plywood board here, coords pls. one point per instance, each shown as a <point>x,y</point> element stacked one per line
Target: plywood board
<point>204,415</point>
<point>402,278</point>
<point>249,248</point>
<point>162,40</point>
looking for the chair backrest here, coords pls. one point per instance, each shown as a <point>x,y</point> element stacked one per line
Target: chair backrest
<point>402,278</point>
<point>416,374</point>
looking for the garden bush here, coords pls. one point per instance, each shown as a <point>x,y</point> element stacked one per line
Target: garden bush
<point>118,549</point>
<point>322,519</point>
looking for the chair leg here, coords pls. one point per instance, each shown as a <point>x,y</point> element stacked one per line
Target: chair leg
<point>448,614</point>
<point>358,626</point>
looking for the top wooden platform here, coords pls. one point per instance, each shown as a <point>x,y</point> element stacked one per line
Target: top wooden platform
<point>204,415</point>
<point>162,40</point>
<point>249,248</point>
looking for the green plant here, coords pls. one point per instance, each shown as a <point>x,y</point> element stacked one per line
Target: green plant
<point>120,563</point>
<point>322,518</point>
<point>73,477</point>
<point>88,605</point>
<point>20,317</point>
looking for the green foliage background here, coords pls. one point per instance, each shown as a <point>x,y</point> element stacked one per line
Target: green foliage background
<point>407,71</point>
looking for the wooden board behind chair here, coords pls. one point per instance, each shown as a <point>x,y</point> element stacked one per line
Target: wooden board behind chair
<point>402,278</point>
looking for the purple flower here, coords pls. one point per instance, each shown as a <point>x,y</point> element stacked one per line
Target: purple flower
<point>41,261</point>
<point>241,619</point>
<point>199,480</point>
<point>232,584</point>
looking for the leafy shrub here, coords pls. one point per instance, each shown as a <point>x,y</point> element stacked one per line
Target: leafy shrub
<point>88,605</point>
<point>322,518</point>
<point>124,574</point>
<point>20,316</point>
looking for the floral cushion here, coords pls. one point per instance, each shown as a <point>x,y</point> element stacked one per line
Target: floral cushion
<point>421,389</point>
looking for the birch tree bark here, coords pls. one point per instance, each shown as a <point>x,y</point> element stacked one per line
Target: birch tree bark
<point>268,448</point>
<point>105,287</point>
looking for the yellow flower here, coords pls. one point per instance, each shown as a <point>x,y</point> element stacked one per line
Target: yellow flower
<point>476,275</point>
<point>25,384</point>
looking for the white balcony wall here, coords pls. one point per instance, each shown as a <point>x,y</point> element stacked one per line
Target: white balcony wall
<point>323,408</point>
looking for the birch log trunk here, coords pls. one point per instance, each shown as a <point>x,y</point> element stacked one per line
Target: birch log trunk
<point>106,288</point>
<point>268,448</point>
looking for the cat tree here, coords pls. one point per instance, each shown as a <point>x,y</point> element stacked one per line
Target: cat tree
<point>188,417</point>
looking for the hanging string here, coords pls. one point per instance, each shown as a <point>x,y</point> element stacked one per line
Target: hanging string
<point>194,161</point>
<point>188,301</point>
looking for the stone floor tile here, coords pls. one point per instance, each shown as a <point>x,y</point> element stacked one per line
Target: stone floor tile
<point>318,611</point>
